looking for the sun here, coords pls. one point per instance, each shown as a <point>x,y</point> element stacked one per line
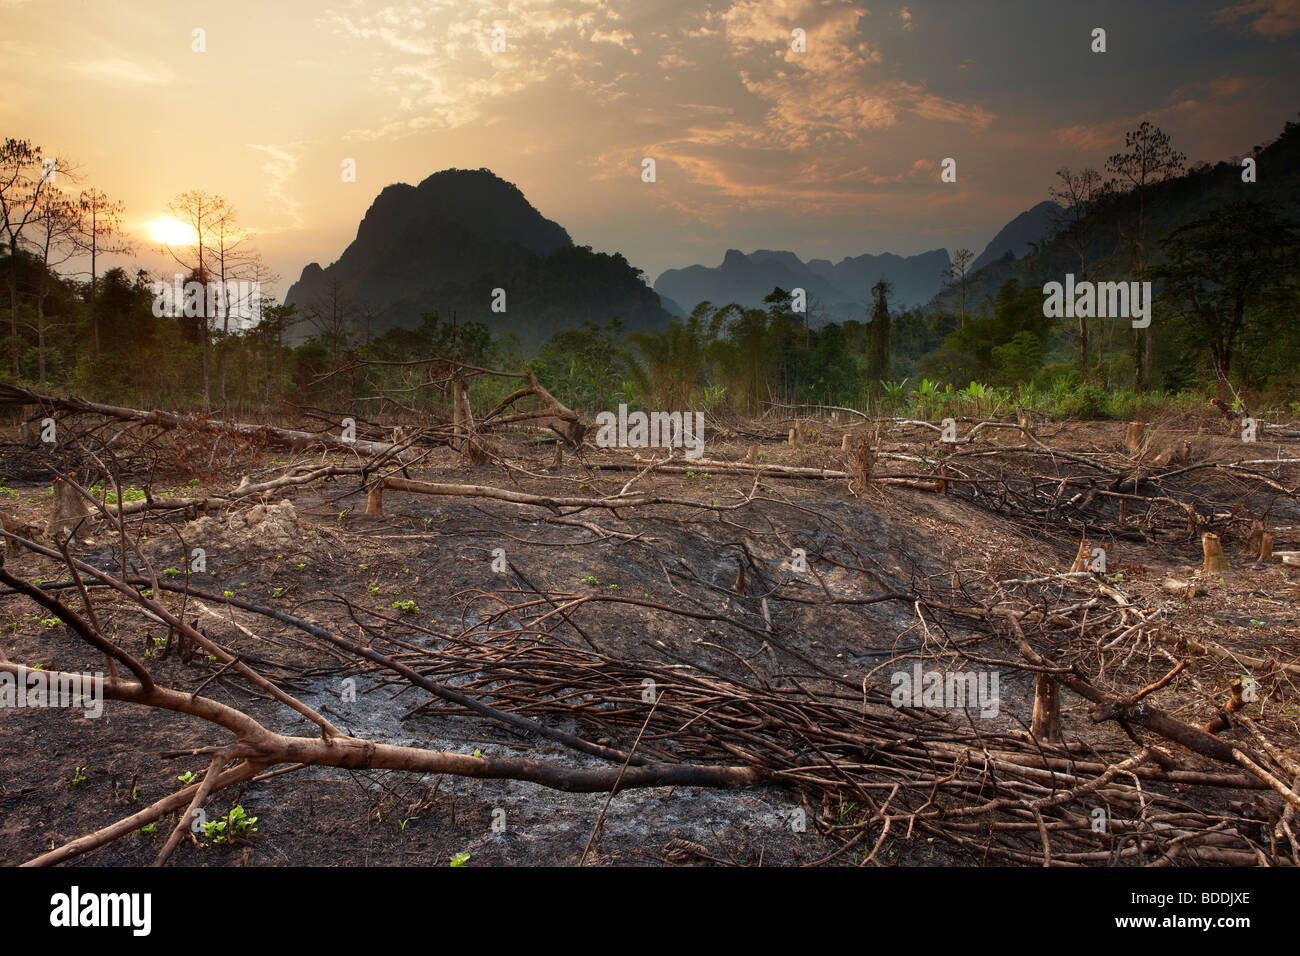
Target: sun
<point>170,231</point>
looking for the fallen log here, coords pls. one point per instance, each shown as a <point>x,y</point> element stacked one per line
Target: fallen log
<point>268,434</point>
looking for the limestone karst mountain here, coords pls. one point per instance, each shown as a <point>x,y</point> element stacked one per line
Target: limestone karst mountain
<point>450,242</point>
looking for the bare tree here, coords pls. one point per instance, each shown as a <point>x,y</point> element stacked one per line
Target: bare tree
<point>54,242</point>
<point>204,213</point>
<point>24,175</point>
<point>1148,159</point>
<point>99,231</point>
<point>1077,194</point>
<point>957,277</point>
<point>334,317</point>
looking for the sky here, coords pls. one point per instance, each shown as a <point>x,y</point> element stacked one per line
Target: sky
<point>828,151</point>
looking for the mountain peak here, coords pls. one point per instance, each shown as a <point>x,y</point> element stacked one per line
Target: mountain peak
<point>447,243</point>
<point>1034,225</point>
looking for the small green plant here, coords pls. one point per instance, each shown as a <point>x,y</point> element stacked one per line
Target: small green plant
<point>187,777</point>
<point>149,829</point>
<point>129,493</point>
<point>407,607</point>
<point>590,579</point>
<point>80,777</point>
<point>460,859</point>
<point>232,826</point>
<point>846,808</point>
<point>276,592</point>
<point>170,572</point>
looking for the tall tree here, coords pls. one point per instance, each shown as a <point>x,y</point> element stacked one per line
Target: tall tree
<point>204,214</point>
<point>1225,266</point>
<point>334,317</point>
<point>99,231</point>
<point>878,337</point>
<point>1148,159</point>
<point>1077,194</point>
<point>957,278</point>
<point>24,175</point>
<point>54,241</point>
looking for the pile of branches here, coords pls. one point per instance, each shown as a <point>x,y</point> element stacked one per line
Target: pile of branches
<point>1010,797</point>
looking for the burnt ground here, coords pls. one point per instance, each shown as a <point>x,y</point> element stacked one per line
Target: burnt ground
<point>62,776</point>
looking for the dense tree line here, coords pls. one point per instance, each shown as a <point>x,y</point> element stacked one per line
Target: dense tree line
<point>1227,283</point>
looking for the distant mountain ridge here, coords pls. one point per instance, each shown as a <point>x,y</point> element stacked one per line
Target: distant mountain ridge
<point>1019,237</point>
<point>449,242</point>
<point>1197,193</point>
<point>842,289</point>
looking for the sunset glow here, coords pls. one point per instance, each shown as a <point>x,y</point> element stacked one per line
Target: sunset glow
<point>170,231</point>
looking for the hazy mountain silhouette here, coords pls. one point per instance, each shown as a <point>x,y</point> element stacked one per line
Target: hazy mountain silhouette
<point>1195,194</point>
<point>449,242</point>
<point>1019,236</point>
<point>843,289</point>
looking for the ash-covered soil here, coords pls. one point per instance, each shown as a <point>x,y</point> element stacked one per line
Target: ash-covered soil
<point>425,571</point>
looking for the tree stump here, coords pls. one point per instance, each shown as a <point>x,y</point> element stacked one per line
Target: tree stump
<point>1266,546</point>
<point>1215,562</point>
<point>861,460</point>
<point>1083,558</point>
<point>68,511</point>
<point>1024,420</point>
<point>1133,436</point>
<point>375,500</point>
<point>1046,724</point>
<point>1251,547</point>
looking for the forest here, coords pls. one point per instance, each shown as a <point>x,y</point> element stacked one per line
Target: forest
<point>1226,279</point>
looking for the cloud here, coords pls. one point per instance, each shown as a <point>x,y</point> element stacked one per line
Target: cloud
<point>444,71</point>
<point>831,92</point>
<point>279,169</point>
<point>739,139</point>
<point>1206,103</point>
<point>128,72</point>
<point>1270,18</point>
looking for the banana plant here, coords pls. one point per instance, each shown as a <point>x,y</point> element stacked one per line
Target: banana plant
<point>893,394</point>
